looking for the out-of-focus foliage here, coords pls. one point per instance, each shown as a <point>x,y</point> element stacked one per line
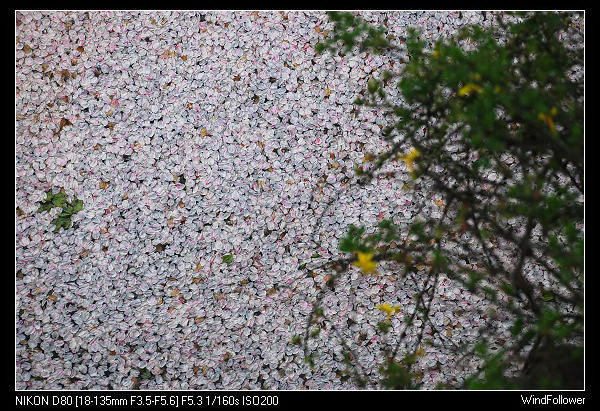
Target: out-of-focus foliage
<point>493,120</point>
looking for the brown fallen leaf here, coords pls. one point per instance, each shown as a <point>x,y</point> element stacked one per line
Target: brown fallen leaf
<point>160,247</point>
<point>103,185</point>
<point>368,157</point>
<point>80,49</point>
<point>64,75</point>
<point>204,132</point>
<point>26,49</point>
<point>63,123</point>
<point>237,78</point>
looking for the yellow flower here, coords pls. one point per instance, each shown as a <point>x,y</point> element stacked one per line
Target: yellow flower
<point>409,158</point>
<point>549,119</point>
<point>388,309</point>
<point>468,89</point>
<point>420,352</point>
<point>436,53</point>
<point>365,262</point>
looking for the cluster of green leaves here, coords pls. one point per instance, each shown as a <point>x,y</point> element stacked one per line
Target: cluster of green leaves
<point>68,208</point>
<point>351,31</point>
<point>397,376</point>
<point>496,117</point>
<point>355,240</point>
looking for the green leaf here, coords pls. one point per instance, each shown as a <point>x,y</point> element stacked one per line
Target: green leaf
<point>145,374</point>
<point>384,326</point>
<point>44,207</point>
<point>372,85</point>
<point>59,199</point>
<point>228,258</point>
<point>77,206</point>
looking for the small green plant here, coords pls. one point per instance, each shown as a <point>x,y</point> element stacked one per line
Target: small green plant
<point>228,258</point>
<point>68,208</point>
<point>145,374</point>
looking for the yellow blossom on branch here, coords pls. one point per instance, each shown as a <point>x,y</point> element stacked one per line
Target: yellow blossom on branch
<point>468,89</point>
<point>388,309</point>
<point>365,262</point>
<point>409,158</point>
<point>549,119</point>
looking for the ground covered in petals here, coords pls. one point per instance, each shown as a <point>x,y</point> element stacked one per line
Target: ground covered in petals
<point>212,152</point>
